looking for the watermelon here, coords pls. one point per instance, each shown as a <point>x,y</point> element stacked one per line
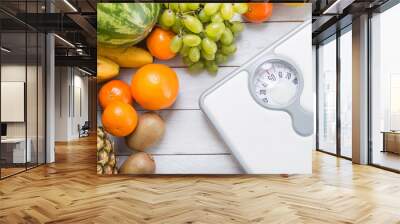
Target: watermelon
<point>125,24</point>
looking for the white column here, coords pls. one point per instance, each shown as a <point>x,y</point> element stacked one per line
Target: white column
<point>360,90</point>
<point>50,99</point>
<point>50,92</point>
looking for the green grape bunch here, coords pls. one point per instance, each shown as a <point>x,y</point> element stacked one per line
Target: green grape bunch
<point>205,35</point>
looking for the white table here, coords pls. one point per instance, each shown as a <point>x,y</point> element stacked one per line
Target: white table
<point>191,145</point>
<point>19,154</point>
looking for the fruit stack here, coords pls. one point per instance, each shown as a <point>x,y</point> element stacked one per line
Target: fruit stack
<point>202,33</point>
<point>106,159</point>
<point>153,87</point>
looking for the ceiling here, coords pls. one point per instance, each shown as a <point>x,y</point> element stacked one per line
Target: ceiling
<point>330,16</point>
<point>40,5</point>
<point>72,20</point>
<point>75,22</point>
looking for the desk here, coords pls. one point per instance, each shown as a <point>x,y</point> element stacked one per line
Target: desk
<point>391,141</point>
<point>18,151</point>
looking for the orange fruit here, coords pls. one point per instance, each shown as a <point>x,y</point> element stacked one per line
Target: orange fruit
<point>115,90</point>
<point>155,86</point>
<point>258,12</point>
<point>158,44</point>
<point>119,119</point>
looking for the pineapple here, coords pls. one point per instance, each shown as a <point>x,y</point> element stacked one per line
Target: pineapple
<point>106,160</point>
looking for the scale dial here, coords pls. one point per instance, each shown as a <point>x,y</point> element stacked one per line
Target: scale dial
<point>275,83</point>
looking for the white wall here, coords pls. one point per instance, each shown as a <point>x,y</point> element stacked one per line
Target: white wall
<point>70,83</point>
<point>14,73</point>
<point>61,103</point>
<point>34,125</point>
<point>80,94</point>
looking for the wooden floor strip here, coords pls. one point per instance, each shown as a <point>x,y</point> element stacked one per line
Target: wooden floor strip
<point>69,191</point>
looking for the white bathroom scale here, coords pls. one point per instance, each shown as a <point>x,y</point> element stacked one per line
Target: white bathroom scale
<point>264,110</point>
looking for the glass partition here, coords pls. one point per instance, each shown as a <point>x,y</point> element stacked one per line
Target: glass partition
<point>22,77</point>
<point>32,98</point>
<point>346,94</point>
<point>14,153</point>
<point>385,90</point>
<point>327,97</point>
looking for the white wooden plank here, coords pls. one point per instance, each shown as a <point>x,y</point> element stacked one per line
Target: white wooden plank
<point>283,12</point>
<point>250,42</point>
<point>190,86</point>
<point>187,132</point>
<point>257,37</point>
<point>193,164</point>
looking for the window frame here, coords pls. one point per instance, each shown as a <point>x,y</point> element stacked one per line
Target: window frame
<point>381,9</point>
<point>334,37</point>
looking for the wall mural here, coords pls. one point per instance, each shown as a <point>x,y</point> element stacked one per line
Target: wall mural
<point>204,88</point>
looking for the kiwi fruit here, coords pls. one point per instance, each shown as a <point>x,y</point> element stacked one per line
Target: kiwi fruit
<point>138,163</point>
<point>149,130</point>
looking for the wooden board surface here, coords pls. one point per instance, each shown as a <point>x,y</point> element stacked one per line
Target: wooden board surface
<point>180,135</point>
<point>191,145</point>
<point>195,164</point>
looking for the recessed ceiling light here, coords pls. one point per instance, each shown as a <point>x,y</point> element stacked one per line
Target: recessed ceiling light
<point>79,51</point>
<point>64,40</point>
<point>5,50</point>
<point>70,5</point>
<point>337,7</point>
<point>84,71</point>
